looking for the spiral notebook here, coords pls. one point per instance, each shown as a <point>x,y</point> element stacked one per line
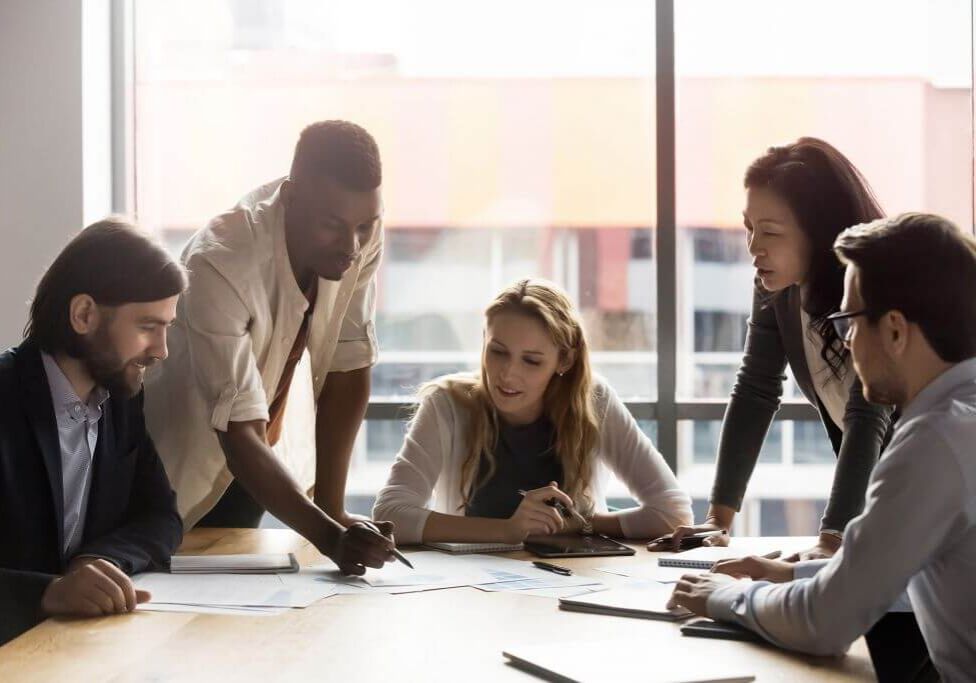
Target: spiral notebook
<point>461,548</point>
<point>700,558</point>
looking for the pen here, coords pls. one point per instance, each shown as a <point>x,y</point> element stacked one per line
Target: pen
<point>396,553</point>
<point>554,568</point>
<point>565,511</point>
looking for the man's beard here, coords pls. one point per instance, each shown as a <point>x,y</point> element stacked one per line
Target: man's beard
<point>107,368</point>
<point>885,389</point>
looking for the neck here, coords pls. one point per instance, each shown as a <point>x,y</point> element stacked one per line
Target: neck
<point>304,275</point>
<point>922,374</point>
<point>77,374</point>
<point>525,417</point>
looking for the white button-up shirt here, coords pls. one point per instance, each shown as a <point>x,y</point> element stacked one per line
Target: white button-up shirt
<point>234,329</point>
<point>77,436</point>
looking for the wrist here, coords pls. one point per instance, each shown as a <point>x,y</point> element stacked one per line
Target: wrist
<point>720,516</point>
<point>506,531</point>
<point>327,540</point>
<point>830,538</point>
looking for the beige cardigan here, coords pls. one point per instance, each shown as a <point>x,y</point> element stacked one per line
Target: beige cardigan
<point>426,475</point>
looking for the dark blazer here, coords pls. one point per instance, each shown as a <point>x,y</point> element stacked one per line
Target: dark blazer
<point>773,339</point>
<point>131,517</point>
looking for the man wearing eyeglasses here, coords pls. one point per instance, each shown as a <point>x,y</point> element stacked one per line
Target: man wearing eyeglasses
<point>909,319</point>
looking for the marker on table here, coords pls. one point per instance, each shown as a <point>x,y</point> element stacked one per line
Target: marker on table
<point>554,568</point>
<point>396,553</point>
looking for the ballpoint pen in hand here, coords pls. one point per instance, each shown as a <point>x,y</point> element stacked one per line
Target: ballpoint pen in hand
<point>563,509</point>
<point>396,553</point>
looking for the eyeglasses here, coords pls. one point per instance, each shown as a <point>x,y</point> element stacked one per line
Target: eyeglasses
<point>843,321</point>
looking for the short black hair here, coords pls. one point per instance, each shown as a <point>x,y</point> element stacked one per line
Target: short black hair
<point>339,150</point>
<point>114,263</point>
<point>924,266</point>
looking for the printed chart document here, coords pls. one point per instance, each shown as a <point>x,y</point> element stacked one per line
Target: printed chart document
<point>615,660</point>
<point>230,590</point>
<point>435,570</point>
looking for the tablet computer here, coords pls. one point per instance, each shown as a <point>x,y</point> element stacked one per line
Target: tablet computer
<point>706,628</point>
<point>575,545</point>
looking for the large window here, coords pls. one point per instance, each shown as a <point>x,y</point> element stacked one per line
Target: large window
<point>519,138</point>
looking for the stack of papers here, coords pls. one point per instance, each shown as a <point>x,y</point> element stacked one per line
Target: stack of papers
<point>233,564</point>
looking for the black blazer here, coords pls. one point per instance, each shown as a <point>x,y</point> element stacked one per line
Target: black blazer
<point>775,338</point>
<point>131,517</point>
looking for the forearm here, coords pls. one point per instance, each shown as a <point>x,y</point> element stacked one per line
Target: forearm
<point>340,412</point>
<point>460,529</point>
<point>254,464</point>
<point>744,429</point>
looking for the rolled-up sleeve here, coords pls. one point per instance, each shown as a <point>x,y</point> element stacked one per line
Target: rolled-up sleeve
<point>406,497</point>
<point>216,323</point>
<point>356,347</point>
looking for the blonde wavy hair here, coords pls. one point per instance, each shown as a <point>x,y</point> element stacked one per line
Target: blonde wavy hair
<point>568,399</point>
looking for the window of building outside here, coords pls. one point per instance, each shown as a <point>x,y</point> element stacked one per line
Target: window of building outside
<point>539,160</point>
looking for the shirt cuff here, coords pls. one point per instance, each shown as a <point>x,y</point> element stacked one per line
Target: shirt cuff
<point>97,557</point>
<point>806,569</point>
<point>725,600</point>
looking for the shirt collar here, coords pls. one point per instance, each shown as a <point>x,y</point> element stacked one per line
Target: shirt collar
<point>939,388</point>
<point>64,397</point>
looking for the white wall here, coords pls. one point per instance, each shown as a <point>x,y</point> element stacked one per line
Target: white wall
<point>44,150</point>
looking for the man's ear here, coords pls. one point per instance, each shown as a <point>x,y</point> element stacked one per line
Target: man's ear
<point>83,314</point>
<point>287,191</point>
<point>894,332</point>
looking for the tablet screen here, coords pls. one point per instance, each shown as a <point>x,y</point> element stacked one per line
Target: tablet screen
<point>570,545</point>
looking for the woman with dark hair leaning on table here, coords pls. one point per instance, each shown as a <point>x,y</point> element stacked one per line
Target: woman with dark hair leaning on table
<point>799,198</point>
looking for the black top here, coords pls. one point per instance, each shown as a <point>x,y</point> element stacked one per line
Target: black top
<point>525,459</point>
<point>131,517</point>
<point>773,340</point>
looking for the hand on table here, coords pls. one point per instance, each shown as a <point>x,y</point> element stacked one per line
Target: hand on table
<point>756,568</point>
<point>92,587</point>
<point>826,547</point>
<point>672,542</point>
<point>693,590</point>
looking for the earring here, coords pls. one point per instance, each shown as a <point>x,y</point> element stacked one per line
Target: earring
<point>560,373</point>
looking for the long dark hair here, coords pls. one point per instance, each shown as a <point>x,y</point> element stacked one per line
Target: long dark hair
<point>112,262</point>
<point>827,194</point>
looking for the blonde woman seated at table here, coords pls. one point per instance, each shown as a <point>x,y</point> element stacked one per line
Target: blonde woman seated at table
<point>534,420</point>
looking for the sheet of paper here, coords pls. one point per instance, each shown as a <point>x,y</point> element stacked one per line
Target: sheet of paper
<point>564,592</point>
<point>530,584</point>
<point>233,590</point>
<point>650,572</point>
<point>212,609</point>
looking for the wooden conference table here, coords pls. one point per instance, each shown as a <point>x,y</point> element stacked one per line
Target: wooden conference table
<point>443,635</point>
